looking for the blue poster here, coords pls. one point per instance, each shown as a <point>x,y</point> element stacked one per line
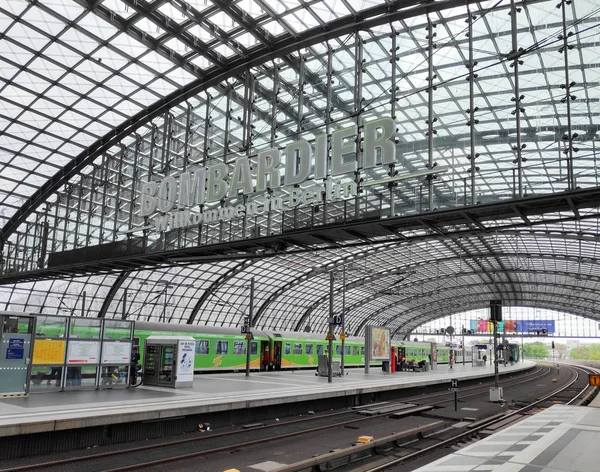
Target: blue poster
<point>19,343</point>
<point>13,353</point>
<point>533,326</point>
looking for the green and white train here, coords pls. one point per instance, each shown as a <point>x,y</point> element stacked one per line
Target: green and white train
<point>224,349</point>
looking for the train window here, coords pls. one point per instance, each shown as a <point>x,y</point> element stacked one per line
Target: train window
<point>253,348</point>
<point>201,347</point>
<point>287,349</point>
<point>347,350</point>
<point>355,350</point>
<point>309,349</point>
<point>297,348</point>
<point>221,347</point>
<point>362,350</point>
<point>338,350</point>
<point>239,347</point>
<point>136,342</point>
<point>320,349</point>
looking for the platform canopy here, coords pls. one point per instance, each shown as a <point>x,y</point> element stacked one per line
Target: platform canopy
<point>491,191</point>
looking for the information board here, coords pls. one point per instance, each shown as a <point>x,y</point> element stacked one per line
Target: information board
<point>116,353</point>
<point>13,353</point>
<point>18,343</point>
<point>83,352</point>
<point>48,351</point>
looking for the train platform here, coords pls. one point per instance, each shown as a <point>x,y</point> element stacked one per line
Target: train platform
<point>560,439</point>
<point>595,403</point>
<point>212,393</point>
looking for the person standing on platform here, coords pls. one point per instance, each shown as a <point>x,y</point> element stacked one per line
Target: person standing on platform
<point>484,360</point>
<point>451,360</point>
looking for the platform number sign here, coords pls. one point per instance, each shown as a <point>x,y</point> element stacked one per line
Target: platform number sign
<point>454,388</point>
<point>594,380</point>
<point>245,329</point>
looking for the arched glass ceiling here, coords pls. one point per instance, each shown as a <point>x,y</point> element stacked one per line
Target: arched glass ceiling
<point>73,70</point>
<point>73,75</point>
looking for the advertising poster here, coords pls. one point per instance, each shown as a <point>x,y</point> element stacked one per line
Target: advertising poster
<point>185,367</point>
<point>380,347</point>
<point>83,352</point>
<point>533,326</point>
<point>116,353</point>
<point>514,326</point>
<point>510,326</point>
<point>48,351</point>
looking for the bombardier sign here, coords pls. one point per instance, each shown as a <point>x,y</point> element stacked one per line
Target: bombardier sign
<point>182,200</point>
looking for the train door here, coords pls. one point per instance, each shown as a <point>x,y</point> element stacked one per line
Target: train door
<point>265,355</point>
<point>277,355</point>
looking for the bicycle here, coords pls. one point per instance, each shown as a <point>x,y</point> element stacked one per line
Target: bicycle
<point>136,376</point>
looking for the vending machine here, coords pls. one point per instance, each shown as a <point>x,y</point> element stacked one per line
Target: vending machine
<point>169,361</point>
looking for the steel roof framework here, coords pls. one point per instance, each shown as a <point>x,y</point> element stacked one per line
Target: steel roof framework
<point>167,61</point>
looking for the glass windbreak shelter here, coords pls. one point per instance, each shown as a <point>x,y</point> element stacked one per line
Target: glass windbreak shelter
<point>67,353</point>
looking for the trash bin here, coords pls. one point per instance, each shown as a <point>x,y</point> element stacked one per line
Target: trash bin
<point>385,366</point>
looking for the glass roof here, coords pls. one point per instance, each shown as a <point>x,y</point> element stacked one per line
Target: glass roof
<point>91,90</point>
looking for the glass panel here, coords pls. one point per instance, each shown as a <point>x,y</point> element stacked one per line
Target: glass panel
<point>17,324</point>
<point>202,347</point>
<point>166,364</point>
<point>221,347</point>
<point>114,376</point>
<point>51,327</point>
<point>239,347</point>
<point>45,378</point>
<point>118,330</point>
<point>85,328</point>
<point>81,376</point>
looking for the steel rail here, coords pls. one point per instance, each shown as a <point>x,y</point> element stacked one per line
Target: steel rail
<point>458,437</point>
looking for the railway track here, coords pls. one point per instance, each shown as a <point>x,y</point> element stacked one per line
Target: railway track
<point>418,450</point>
<point>184,449</point>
